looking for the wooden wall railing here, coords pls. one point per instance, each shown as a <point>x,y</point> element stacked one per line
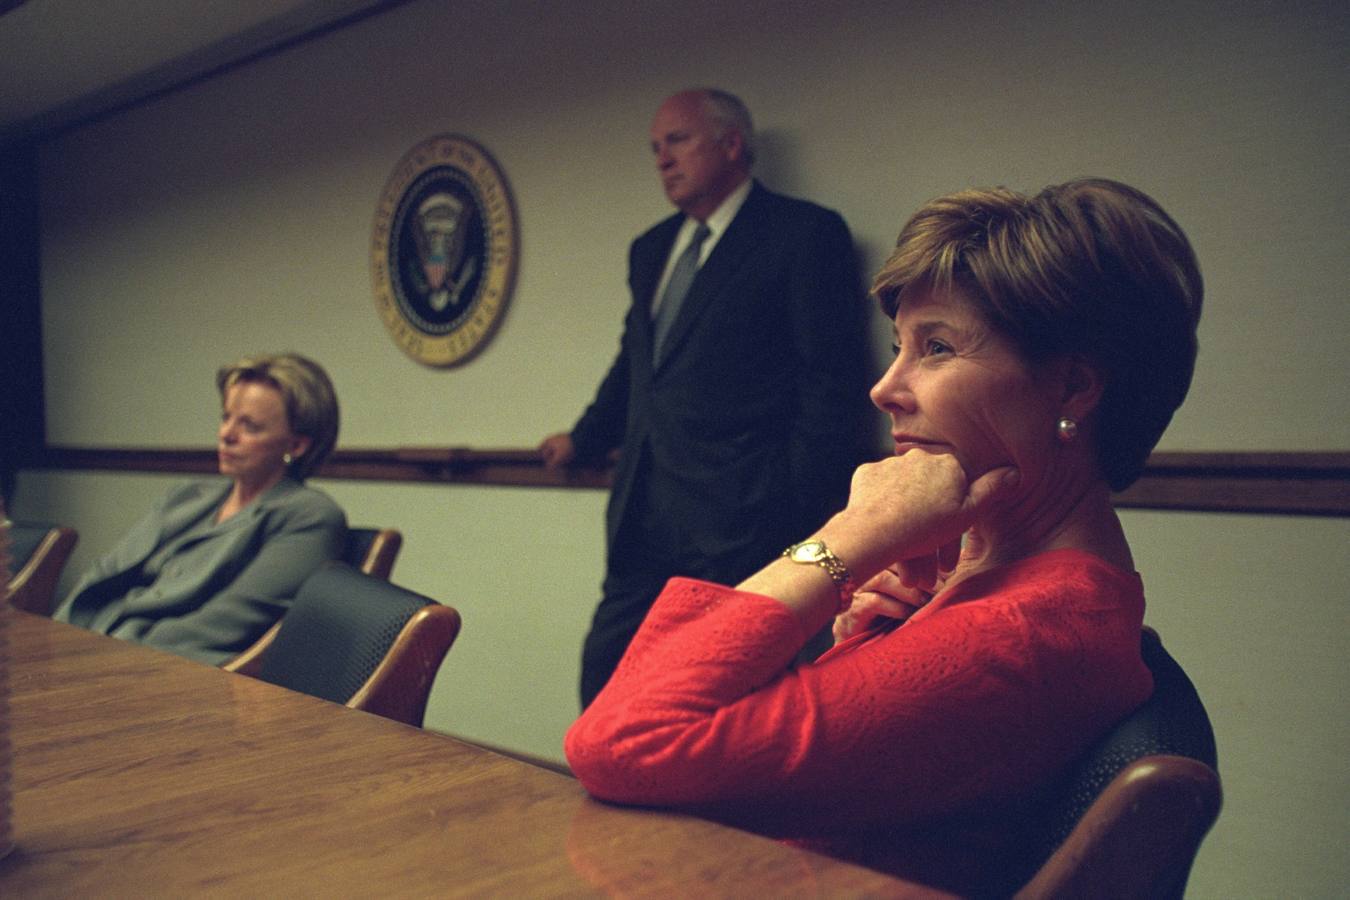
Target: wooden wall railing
<point>1314,484</point>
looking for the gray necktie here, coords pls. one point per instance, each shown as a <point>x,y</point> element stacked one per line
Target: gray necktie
<point>681,277</point>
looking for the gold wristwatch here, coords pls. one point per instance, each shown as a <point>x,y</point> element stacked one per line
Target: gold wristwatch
<point>815,553</point>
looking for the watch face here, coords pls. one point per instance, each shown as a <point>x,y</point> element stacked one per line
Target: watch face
<point>811,551</point>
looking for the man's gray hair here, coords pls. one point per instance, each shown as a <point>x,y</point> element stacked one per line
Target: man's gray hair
<point>729,113</point>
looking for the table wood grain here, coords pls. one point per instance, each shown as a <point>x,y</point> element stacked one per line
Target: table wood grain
<point>137,773</point>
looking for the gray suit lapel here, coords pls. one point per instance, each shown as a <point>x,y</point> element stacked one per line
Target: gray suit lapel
<point>181,516</point>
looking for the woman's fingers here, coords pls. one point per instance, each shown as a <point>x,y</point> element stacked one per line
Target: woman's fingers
<point>920,573</point>
<point>867,607</point>
<point>993,484</point>
<point>887,594</point>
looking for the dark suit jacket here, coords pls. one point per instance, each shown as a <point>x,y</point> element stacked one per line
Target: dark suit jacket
<point>222,585</point>
<point>748,431</point>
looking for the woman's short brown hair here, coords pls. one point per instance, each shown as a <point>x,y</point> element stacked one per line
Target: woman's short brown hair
<point>1092,268</point>
<point>311,403</point>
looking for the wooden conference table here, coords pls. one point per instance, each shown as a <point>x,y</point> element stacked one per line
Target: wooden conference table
<point>137,773</point>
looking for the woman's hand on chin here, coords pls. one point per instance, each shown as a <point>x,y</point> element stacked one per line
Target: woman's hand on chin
<point>915,507</point>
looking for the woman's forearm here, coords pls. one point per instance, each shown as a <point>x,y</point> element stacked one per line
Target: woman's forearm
<point>808,590</point>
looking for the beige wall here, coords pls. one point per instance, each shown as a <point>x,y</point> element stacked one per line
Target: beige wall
<point>235,216</point>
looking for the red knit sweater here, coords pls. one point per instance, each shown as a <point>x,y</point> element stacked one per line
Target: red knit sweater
<point>983,694</point>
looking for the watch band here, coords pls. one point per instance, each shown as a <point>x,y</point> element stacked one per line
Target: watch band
<point>816,553</point>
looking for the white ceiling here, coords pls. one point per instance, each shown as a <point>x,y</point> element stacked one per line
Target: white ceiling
<point>63,61</point>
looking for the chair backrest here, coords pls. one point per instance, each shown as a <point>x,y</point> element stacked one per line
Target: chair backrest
<point>369,550</point>
<point>38,554</point>
<point>372,550</point>
<point>361,641</point>
<point>1130,815</point>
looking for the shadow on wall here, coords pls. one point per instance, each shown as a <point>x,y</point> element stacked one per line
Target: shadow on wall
<point>777,166</point>
<point>777,161</point>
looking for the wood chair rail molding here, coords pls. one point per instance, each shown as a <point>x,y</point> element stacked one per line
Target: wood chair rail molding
<point>1289,483</point>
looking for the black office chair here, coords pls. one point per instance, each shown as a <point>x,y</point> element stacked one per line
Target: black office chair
<point>1129,817</point>
<point>358,640</point>
<point>38,554</point>
<point>369,550</point>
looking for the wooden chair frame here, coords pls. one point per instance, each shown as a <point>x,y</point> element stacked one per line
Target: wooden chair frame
<point>400,685</point>
<point>33,586</point>
<point>1139,837</point>
<point>1140,834</point>
<point>378,560</point>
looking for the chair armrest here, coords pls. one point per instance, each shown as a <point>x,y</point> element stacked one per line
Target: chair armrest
<point>33,587</point>
<point>250,661</point>
<point>383,550</point>
<point>400,684</point>
<point>1139,836</point>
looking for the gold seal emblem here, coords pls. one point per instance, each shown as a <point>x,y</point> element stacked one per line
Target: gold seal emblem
<point>444,250</point>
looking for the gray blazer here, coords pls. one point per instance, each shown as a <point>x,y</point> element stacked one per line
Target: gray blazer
<point>218,587</point>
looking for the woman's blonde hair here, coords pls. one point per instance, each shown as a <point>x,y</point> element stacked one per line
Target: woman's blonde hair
<point>311,403</point>
<point>1092,268</point>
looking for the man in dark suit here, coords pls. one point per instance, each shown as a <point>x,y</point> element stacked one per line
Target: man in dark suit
<point>738,399</point>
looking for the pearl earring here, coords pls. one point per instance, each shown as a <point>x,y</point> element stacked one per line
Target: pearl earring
<point>286,458</point>
<point>1066,429</point>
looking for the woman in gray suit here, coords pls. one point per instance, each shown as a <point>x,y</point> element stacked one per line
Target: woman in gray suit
<point>215,563</point>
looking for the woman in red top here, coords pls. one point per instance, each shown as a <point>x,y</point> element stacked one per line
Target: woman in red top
<point>987,611</point>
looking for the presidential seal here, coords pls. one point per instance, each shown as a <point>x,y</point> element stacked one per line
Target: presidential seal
<point>444,250</point>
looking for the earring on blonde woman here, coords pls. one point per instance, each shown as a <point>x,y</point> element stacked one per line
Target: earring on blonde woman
<point>1066,429</point>
<point>286,457</point>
